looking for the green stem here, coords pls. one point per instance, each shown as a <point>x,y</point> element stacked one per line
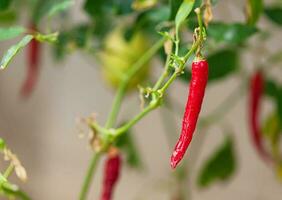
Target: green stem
<point>131,72</point>
<point>178,71</point>
<point>22,195</point>
<point>9,170</point>
<point>164,74</point>
<point>89,176</point>
<point>128,125</point>
<point>155,103</point>
<point>177,41</point>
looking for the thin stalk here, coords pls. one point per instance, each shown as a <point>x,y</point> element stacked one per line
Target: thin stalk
<point>89,176</point>
<point>123,86</point>
<point>139,116</point>
<point>177,41</point>
<point>9,170</point>
<point>164,74</point>
<point>177,72</point>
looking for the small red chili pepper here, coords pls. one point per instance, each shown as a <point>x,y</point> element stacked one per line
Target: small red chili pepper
<point>111,175</point>
<point>193,107</point>
<point>33,61</point>
<point>256,92</point>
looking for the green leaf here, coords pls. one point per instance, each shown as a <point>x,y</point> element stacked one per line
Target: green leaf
<point>102,8</point>
<point>274,91</point>
<point>220,166</point>
<point>274,14</point>
<point>49,8</point>
<point>230,33</point>
<point>14,50</point>
<point>174,6</point>
<point>11,32</point>
<point>126,143</point>
<point>60,7</point>
<point>183,12</point>
<point>70,40</point>
<point>2,144</point>
<point>218,68</point>
<point>148,20</point>
<point>254,10</point>
<point>271,88</point>
<point>8,16</point>
<point>5,4</point>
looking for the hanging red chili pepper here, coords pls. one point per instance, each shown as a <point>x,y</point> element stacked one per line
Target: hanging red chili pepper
<point>111,175</point>
<point>193,107</point>
<point>33,61</point>
<point>256,92</point>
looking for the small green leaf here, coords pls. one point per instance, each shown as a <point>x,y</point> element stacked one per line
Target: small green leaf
<point>4,4</point>
<point>8,17</point>
<point>271,88</point>
<point>220,166</point>
<point>11,32</point>
<point>50,8</point>
<point>183,12</point>
<point>2,144</point>
<point>148,20</point>
<point>126,143</point>
<point>274,14</point>
<point>14,50</point>
<point>230,33</point>
<point>102,8</point>
<point>60,7</point>
<point>254,10</point>
<point>274,91</point>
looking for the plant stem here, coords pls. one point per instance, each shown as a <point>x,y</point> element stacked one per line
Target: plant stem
<point>89,176</point>
<point>123,86</point>
<point>177,41</point>
<point>178,71</point>
<point>139,116</point>
<point>164,74</point>
<point>155,103</point>
<point>9,170</point>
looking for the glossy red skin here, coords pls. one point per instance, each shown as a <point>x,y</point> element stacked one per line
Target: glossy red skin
<point>193,107</point>
<point>256,93</point>
<point>111,175</point>
<point>33,61</point>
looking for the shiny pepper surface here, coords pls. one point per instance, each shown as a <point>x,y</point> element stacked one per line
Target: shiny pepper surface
<point>111,175</point>
<point>193,107</point>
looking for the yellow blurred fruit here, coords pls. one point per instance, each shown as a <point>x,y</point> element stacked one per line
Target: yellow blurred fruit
<point>118,56</point>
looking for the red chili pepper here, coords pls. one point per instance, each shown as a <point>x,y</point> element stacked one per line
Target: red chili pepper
<point>193,107</point>
<point>111,175</point>
<point>256,92</point>
<point>33,60</point>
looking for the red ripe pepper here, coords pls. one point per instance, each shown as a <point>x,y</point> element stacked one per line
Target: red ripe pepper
<point>256,92</point>
<point>33,61</point>
<point>111,175</point>
<point>193,107</point>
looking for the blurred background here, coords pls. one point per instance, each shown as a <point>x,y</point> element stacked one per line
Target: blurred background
<point>42,130</point>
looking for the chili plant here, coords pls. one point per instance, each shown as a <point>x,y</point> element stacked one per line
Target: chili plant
<point>124,36</point>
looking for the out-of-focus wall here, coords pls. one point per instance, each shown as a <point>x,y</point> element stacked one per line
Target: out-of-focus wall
<point>42,131</point>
